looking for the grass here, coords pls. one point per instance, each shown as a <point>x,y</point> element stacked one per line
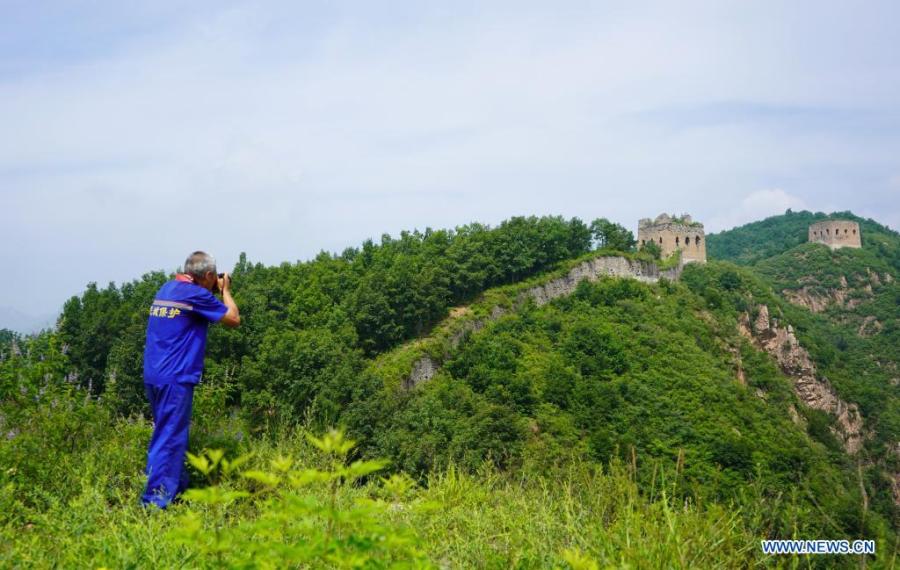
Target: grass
<point>457,519</point>
<point>65,505</point>
<point>496,522</point>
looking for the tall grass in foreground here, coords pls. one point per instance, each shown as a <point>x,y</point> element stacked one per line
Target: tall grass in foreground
<point>71,475</point>
<point>295,503</point>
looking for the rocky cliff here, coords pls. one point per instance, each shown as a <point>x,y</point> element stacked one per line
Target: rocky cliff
<point>816,392</point>
<point>845,295</point>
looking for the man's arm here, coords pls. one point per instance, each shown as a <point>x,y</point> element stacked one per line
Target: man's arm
<point>232,318</point>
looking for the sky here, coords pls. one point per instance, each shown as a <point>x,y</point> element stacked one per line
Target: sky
<point>132,133</point>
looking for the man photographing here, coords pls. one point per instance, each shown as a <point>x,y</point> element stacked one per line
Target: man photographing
<point>173,363</point>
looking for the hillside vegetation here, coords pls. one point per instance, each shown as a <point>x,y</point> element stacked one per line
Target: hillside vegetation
<point>844,305</point>
<point>760,240</point>
<point>625,424</point>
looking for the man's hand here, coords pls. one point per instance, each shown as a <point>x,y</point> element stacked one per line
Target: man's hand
<point>224,282</point>
<point>232,318</point>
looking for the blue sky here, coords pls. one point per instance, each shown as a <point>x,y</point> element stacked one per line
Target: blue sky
<point>134,133</point>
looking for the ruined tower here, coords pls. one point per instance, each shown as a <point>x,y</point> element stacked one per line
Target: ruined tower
<point>836,233</point>
<point>673,233</point>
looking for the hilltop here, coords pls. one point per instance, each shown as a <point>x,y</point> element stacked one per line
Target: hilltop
<point>750,243</point>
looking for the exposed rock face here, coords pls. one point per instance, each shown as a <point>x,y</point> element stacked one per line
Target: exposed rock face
<point>468,328</point>
<point>873,277</point>
<point>426,367</point>
<point>795,416</point>
<point>423,369</point>
<point>813,300</point>
<point>893,452</point>
<point>794,360</point>
<point>741,377</point>
<point>595,269</point>
<point>739,373</point>
<point>895,487</point>
<point>817,299</point>
<point>869,327</point>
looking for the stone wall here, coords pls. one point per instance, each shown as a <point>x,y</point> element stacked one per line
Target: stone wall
<point>596,268</point>
<point>836,233</point>
<point>425,367</point>
<point>673,234</point>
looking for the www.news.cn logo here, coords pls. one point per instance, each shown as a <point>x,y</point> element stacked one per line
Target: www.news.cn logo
<point>818,547</point>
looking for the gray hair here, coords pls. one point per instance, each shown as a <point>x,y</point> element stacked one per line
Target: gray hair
<point>199,263</point>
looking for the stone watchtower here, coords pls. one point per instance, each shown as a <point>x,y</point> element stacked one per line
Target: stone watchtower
<point>836,233</point>
<point>673,233</point>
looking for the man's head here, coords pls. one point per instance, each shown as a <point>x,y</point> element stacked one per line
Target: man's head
<point>201,266</point>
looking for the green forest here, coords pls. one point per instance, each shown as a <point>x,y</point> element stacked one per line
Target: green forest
<point>631,423</point>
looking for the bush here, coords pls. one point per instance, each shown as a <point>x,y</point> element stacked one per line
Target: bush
<point>295,525</point>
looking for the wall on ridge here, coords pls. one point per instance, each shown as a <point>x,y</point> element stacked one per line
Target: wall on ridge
<point>427,365</point>
<point>596,268</point>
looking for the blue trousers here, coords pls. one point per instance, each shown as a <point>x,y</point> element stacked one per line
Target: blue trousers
<point>167,476</point>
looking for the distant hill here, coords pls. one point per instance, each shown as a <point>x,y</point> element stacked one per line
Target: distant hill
<point>755,241</point>
<point>21,322</point>
<point>843,305</point>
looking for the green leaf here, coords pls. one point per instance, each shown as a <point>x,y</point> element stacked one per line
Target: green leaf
<point>578,560</point>
<point>205,496</point>
<point>199,462</point>
<point>317,443</point>
<point>398,484</point>
<point>230,466</point>
<point>282,464</point>
<point>359,469</point>
<point>231,496</point>
<point>215,456</point>
<point>307,477</point>
<point>332,443</point>
<point>267,479</point>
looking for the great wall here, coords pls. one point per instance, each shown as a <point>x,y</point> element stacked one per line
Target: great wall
<point>672,234</point>
<point>425,367</point>
<point>836,234</point>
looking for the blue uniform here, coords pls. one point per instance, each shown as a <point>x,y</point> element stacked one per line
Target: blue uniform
<point>173,364</point>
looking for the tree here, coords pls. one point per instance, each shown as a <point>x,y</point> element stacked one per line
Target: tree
<point>653,249</point>
<point>608,235</point>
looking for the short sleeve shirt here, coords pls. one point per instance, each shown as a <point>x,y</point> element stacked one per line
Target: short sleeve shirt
<point>176,332</point>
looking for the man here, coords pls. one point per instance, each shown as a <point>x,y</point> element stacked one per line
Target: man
<point>173,364</point>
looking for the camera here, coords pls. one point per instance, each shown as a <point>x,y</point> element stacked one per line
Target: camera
<point>216,286</point>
